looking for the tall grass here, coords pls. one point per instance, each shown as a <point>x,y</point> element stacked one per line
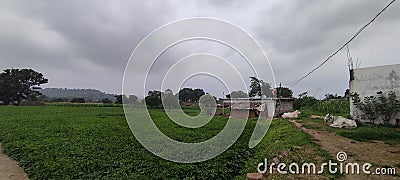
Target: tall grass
<point>337,108</point>
<point>342,107</point>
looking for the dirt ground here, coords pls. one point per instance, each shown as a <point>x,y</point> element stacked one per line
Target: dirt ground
<point>9,169</point>
<point>377,153</point>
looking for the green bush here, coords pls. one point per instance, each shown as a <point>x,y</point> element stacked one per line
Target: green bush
<point>323,107</point>
<point>378,107</point>
<point>77,100</point>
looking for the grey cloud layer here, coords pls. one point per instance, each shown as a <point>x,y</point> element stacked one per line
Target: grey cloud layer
<point>87,43</point>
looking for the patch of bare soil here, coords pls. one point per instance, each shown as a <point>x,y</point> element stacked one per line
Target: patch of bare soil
<point>377,153</point>
<point>9,169</point>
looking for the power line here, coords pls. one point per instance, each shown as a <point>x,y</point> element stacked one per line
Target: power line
<point>344,45</point>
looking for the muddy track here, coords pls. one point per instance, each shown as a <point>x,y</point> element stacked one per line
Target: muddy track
<point>377,153</point>
<point>9,168</point>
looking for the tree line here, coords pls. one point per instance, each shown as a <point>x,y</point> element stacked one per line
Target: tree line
<point>23,84</point>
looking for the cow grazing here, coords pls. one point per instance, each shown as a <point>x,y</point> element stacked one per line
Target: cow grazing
<point>291,115</point>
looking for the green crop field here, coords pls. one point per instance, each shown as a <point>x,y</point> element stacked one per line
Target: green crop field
<point>57,142</point>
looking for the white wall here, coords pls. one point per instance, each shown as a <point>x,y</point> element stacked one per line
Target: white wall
<point>368,81</point>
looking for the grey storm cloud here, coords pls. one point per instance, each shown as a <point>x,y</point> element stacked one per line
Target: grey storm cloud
<point>86,44</point>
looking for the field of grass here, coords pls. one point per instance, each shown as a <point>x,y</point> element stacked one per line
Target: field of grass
<point>57,142</point>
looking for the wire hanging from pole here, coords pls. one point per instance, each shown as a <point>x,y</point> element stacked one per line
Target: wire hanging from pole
<point>344,45</point>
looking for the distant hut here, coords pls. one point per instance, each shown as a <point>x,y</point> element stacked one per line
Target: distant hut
<point>256,107</point>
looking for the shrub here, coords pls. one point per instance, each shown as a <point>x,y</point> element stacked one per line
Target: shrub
<point>77,100</point>
<point>106,101</point>
<point>380,107</point>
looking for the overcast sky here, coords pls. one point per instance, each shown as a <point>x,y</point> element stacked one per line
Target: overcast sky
<point>87,44</point>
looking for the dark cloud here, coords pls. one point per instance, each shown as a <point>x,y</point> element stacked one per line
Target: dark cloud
<point>87,43</point>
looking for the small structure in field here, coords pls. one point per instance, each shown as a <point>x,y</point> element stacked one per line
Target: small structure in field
<point>256,107</point>
<point>283,105</point>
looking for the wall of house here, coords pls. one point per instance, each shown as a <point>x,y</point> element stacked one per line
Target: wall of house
<point>369,81</point>
<point>284,107</point>
<point>245,108</point>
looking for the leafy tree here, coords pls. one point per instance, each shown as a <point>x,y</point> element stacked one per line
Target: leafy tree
<point>155,93</point>
<point>153,101</point>
<point>77,100</point>
<point>19,84</point>
<point>197,93</point>
<point>59,100</point>
<point>259,88</point>
<point>305,101</point>
<point>347,94</point>
<point>303,94</point>
<point>190,95</point>
<point>237,94</point>
<point>106,101</point>
<point>284,92</point>
<point>119,99</point>
<point>332,96</point>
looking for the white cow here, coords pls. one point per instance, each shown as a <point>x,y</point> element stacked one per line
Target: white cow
<point>329,117</point>
<point>291,115</point>
<point>343,122</point>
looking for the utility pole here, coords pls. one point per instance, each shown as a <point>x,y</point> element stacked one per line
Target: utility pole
<point>223,104</point>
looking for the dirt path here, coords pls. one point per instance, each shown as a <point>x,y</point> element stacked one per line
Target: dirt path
<point>378,154</point>
<point>9,168</point>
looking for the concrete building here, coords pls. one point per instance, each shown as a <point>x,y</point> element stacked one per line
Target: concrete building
<point>369,81</point>
<point>283,105</point>
<point>255,107</point>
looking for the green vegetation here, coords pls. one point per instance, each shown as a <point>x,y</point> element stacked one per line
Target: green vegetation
<point>19,84</point>
<point>66,142</point>
<point>380,107</point>
<point>55,142</point>
<point>86,141</point>
<point>284,136</point>
<point>310,105</point>
<point>259,88</point>
<point>77,100</point>
<point>334,104</point>
<point>338,108</point>
<point>331,106</point>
